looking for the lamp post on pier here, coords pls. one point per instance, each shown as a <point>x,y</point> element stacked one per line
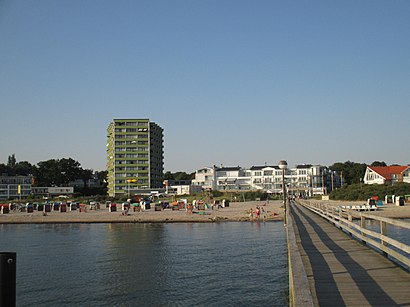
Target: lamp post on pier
<point>282,165</point>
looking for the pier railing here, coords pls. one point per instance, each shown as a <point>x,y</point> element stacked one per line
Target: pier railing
<point>343,218</point>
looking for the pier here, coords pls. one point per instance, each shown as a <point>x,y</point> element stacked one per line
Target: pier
<point>332,267</point>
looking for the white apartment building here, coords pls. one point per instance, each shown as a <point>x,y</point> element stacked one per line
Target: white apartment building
<point>205,178</point>
<point>301,180</point>
<point>231,178</point>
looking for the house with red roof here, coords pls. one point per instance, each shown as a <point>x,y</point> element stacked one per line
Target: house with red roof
<point>387,174</point>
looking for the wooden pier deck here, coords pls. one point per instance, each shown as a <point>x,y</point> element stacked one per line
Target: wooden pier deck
<point>342,271</point>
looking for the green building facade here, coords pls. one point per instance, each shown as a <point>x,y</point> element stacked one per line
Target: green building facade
<point>135,156</point>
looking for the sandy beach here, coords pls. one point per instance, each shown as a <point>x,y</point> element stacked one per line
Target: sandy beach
<point>236,212</point>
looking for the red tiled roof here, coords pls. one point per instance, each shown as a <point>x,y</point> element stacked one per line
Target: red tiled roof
<point>388,171</point>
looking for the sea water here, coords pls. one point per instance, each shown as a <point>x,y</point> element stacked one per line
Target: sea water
<point>181,264</point>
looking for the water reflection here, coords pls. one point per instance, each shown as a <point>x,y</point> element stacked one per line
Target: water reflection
<point>149,264</point>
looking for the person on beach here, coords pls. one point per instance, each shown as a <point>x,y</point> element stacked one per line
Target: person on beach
<point>257,212</point>
<point>126,211</point>
<point>251,214</point>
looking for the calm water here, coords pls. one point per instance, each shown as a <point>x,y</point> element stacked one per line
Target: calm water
<point>219,264</point>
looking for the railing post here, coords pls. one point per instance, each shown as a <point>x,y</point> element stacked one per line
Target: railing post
<point>350,219</point>
<point>363,226</point>
<point>7,279</point>
<point>383,231</point>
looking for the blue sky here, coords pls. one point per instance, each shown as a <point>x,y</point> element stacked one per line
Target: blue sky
<point>231,82</point>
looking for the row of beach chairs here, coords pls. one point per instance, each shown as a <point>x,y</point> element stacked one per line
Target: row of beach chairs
<point>359,207</point>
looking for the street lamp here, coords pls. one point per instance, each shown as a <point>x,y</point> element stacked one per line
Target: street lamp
<point>130,181</point>
<point>282,165</point>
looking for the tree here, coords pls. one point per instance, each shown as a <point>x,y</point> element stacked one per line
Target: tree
<point>70,170</point>
<point>86,174</point>
<point>350,171</point>
<point>48,173</point>
<point>11,161</point>
<point>102,177</point>
<point>178,176</point>
<point>14,168</point>
<point>168,176</point>
<point>378,163</point>
<point>182,176</point>
<point>24,168</point>
<point>58,172</point>
<point>4,169</point>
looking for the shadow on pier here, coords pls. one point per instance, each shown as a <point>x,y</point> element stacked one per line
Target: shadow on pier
<point>342,271</point>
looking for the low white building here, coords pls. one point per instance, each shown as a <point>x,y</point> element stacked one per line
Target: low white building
<point>181,187</point>
<point>52,191</point>
<point>15,186</point>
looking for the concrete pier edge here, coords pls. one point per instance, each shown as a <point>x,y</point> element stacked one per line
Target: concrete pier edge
<point>299,289</point>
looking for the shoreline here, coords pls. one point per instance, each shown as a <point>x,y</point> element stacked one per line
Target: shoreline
<point>236,212</point>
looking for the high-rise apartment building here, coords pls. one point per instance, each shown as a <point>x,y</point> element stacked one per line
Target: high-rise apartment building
<point>135,155</point>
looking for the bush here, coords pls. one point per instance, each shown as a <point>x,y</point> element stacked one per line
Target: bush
<point>364,191</point>
<point>217,193</point>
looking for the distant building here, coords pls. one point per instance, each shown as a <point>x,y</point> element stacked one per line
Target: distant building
<point>135,156</point>
<point>302,180</point>
<point>15,186</point>
<point>181,187</point>
<point>386,174</point>
<point>51,192</point>
<point>231,178</point>
<point>93,182</point>
<point>205,178</point>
